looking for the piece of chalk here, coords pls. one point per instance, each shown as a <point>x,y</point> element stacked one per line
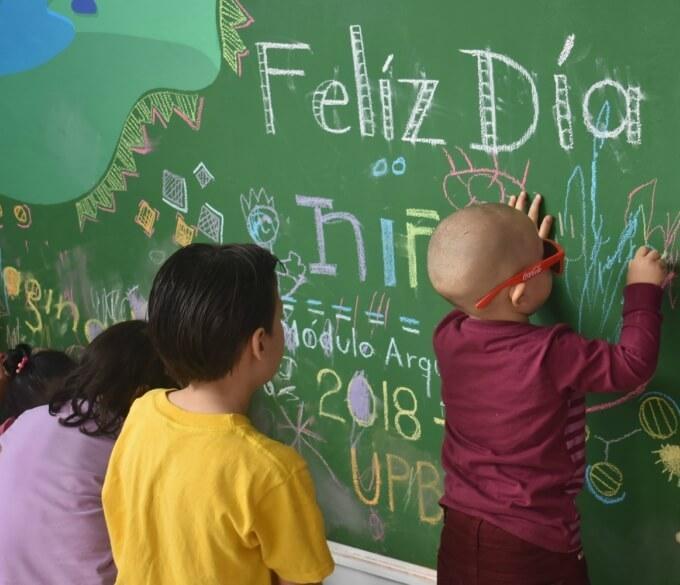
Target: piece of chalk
<point>677,537</point>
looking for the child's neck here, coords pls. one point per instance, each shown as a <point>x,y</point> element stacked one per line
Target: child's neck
<point>224,396</point>
<point>500,315</point>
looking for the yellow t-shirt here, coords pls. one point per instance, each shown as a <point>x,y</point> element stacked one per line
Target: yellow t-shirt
<point>203,499</point>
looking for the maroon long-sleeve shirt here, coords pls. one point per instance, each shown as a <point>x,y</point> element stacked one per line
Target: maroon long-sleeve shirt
<point>514,393</point>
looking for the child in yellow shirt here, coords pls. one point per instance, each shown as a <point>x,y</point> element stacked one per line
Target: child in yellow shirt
<point>193,492</point>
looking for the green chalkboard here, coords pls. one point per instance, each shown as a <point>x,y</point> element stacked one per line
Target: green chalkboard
<point>336,134</point>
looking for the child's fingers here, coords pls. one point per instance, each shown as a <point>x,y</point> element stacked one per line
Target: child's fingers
<point>654,255</point>
<point>512,200</point>
<point>521,202</point>
<point>641,252</point>
<point>534,208</point>
<point>546,226</point>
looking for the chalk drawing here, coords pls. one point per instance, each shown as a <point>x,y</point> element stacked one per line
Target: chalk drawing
<point>22,213</point>
<point>322,219</point>
<point>146,217</point>
<point>292,274</point>
<point>211,223</point>
<point>12,280</point>
<point>184,233</point>
<point>203,175</point>
<point>566,49</point>
<point>303,435</point>
<point>266,72</point>
<point>562,112</point>
<point>262,219</point>
<point>497,184</point>
<point>630,121</point>
<point>157,257</point>
<point>175,191</point>
<point>233,17</point>
<point>487,101</point>
<point>413,231</point>
<point>426,89</point>
<point>669,459</point>
<point>154,107</point>
<point>366,116</point>
<point>329,93</point>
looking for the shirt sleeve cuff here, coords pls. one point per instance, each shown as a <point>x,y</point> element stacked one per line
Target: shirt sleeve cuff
<point>642,295</point>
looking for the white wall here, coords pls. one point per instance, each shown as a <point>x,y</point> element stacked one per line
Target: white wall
<point>358,567</point>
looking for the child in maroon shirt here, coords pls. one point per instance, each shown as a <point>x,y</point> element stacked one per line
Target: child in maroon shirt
<point>514,393</point>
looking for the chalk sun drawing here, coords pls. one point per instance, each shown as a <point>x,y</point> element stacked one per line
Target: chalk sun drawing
<point>262,219</point>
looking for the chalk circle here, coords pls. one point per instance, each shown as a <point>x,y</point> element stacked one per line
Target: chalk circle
<point>361,400</point>
<point>22,214</point>
<point>605,478</point>
<point>658,417</point>
<point>399,166</point>
<point>379,168</point>
<point>263,224</point>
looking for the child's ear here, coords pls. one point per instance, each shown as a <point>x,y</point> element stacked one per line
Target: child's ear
<point>517,294</point>
<point>257,343</point>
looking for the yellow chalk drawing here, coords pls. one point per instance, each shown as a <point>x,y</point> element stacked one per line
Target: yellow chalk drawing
<point>414,230</point>
<point>184,233</point>
<point>12,278</point>
<point>434,488</point>
<point>606,478</point>
<point>393,475</point>
<point>356,478</point>
<point>156,106</point>
<point>658,417</point>
<point>22,213</point>
<point>33,293</point>
<point>146,217</point>
<point>233,16</point>
<point>669,458</point>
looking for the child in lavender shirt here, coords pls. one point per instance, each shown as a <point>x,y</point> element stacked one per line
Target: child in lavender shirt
<point>53,461</point>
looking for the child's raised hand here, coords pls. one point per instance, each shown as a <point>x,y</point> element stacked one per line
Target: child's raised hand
<point>646,266</point>
<point>520,202</point>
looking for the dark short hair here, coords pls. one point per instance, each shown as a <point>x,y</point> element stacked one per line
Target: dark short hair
<point>206,302</point>
<point>33,375</point>
<point>117,367</point>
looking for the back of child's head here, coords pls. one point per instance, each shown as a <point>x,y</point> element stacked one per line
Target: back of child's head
<point>32,378</point>
<point>205,304</point>
<point>476,247</point>
<point>117,367</point>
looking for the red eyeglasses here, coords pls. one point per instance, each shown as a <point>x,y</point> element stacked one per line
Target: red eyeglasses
<point>553,258</point>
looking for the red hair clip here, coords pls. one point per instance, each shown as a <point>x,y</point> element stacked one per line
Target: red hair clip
<point>21,364</point>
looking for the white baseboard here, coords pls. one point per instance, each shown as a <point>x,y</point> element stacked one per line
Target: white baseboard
<point>360,567</point>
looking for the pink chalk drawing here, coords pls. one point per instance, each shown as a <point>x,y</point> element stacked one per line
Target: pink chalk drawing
<point>479,183</point>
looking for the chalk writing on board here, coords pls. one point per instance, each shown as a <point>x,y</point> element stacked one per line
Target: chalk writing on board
<point>154,107</point>
<point>293,275</point>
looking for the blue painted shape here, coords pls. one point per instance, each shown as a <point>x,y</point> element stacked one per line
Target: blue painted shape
<point>30,35</point>
<point>84,6</point>
<point>387,230</point>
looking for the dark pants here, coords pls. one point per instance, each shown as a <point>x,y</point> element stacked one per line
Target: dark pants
<point>474,552</point>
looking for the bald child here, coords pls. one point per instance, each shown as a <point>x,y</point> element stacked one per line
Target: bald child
<point>514,393</point>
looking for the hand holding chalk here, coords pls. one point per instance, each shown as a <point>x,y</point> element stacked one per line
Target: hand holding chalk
<point>647,267</point>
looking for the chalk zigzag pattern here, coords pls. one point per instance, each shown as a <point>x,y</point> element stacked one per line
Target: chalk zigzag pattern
<point>154,107</point>
<point>232,17</point>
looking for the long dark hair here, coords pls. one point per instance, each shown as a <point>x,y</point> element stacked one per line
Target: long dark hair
<point>32,378</point>
<point>118,366</point>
